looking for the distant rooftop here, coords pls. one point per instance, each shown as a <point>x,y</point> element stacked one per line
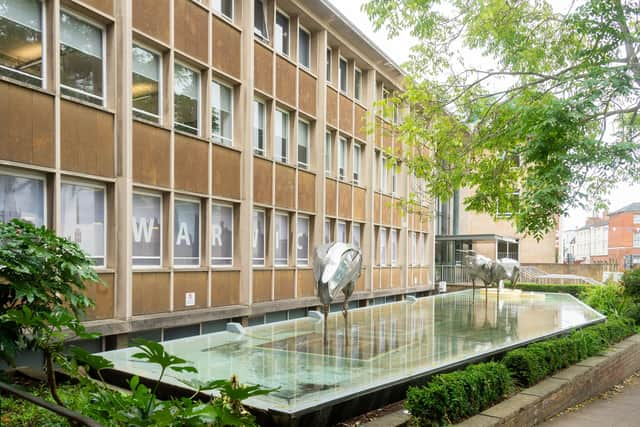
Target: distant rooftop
<point>632,207</point>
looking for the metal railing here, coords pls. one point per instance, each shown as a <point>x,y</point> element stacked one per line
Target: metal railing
<point>452,274</point>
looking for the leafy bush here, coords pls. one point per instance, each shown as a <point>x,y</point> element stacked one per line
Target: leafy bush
<point>631,283</point>
<point>609,300</point>
<point>574,290</point>
<point>452,397</point>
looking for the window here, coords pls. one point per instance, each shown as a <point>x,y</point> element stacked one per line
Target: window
<point>394,179</point>
<point>357,86</point>
<point>281,253</point>
<point>421,245</point>
<point>343,75</point>
<point>222,113</point>
<point>342,158</point>
<point>329,62</point>
<point>356,163</point>
<point>282,33</point>
<point>22,197</point>
<point>259,120</point>
<point>636,219</point>
<point>636,239</point>
<point>327,231</point>
<point>303,144</point>
<point>282,136</point>
<point>259,237</point>
<point>221,234</point>
<point>383,174</point>
<point>356,235</point>
<point>393,237</point>
<point>186,233</point>
<point>342,232</point>
<point>82,72</point>
<point>382,244</point>
<point>146,84</point>
<point>303,240</point>
<point>328,164</point>
<point>260,20</point>
<point>147,230</point>
<point>304,48</point>
<point>187,99</point>
<point>412,238</point>
<point>21,43</point>
<point>224,7</point>
<point>82,211</point>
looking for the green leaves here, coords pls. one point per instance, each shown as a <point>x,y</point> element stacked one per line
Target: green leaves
<point>153,352</point>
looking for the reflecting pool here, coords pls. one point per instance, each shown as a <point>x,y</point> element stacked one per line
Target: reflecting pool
<point>382,345</point>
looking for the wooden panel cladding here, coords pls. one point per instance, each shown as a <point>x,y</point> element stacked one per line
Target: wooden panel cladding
<point>152,17</point>
<point>307,100</point>
<point>378,132</point>
<point>191,165</point>
<point>26,125</point>
<point>102,295</point>
<point>376,278</point>
<point>360,122</point>
<point>262,181</point>
<point>151,293</point>
<point>344,200</point>
<point>360,283</point>
<point>359,203</point>
<point>87,143</point>
<point>424,275</point>
<point>396,281</point>
<point>151,155</point>
<point>104,6</point>
<point>226,172</point>
<point>225,288</point>
<point>285,81</point>
<point>376,208</point>
<point>397,213</point>
<point>386,210</point>
<point>385,278</point>
<point>226,47</point>
<point>261,285</point>
<point>263,68</point>
<point>387,139</point>
<point>330,196</point>
<point>285,186</point>
<point>332,107</point>
<point>186,282</point>
<point>191,23</point>
<point>346,114</point>
<point>284,284</point>
<point>306,191</point>
<point>306,285</point>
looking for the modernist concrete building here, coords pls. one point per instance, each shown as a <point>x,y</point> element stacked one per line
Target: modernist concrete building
<point>200,150</point>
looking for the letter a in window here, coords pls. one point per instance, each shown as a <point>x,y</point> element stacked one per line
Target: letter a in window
<point>183,234</point>
<point>143,226</point>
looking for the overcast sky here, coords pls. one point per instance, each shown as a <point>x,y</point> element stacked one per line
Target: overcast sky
<point>398,49</point>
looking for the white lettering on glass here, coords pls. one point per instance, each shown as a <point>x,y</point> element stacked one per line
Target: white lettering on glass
<point>216,235</point>
<point>183,234</point>
<point>143,226</point>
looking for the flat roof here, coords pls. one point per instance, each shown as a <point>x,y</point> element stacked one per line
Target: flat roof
<point>453,237</point>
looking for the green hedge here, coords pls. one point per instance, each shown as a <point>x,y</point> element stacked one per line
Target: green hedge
<point>574,290</point>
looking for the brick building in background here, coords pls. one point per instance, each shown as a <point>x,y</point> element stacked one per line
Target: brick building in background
<point>624,236</point>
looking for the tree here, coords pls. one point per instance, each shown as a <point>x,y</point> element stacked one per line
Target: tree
<point>555,120</point>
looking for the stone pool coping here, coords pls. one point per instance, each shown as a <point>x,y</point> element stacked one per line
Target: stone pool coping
<point>556,393</point>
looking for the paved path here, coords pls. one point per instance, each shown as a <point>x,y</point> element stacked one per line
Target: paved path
<point>618,407</point>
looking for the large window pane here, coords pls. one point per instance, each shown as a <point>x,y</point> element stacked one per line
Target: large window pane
<point>342,232</point>
<point>356,163</point>
<point>357,89</point>
<point>224,7</point>
<point>186,233</point>
<point>393,237</point>
<point>259,120</point>
<point>146,84</point>
<point>304,48</point>
<point>327,231</point>
<point>186,99</point>
<point>83,219</point>
<point>303,144</point>
<point>282,136</point>
<point>356,235</point>
<point>421,246</point>
<point>222,235</point>
<point>22,198</point>
<point>328,164</point>
<point>260,19</point>
<point>21,40</point>
<point>281,253</point>
<point>282,34</point>
<point>303,241</point>
<point>343,75</point>
<point>258,237</point>
<point>222,113</point>
<point>81,59</point>
<point>382,243</point>
<point>414,248</point>
<point>147,230</point>
<point>329,61</point>
<point>342,158</point>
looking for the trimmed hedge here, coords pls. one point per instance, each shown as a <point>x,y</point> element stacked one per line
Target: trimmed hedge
<point>453,397</point>
<point>574,290</point>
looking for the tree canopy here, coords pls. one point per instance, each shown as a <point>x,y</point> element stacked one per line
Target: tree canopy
<point>551,115</point>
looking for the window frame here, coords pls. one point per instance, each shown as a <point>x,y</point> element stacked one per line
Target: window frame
<point>393,247</point>
<point>358,226</point>
<point>329,65</point>
<point>221,138</point>
<point>327,236</point>
<point>342,157</point>
<point>193,200</point>
<point>384,177</point>
<point>356,150</point>
<point>302,65</point>
<point>344,80</point>
<point>306,262</point>
<point>636,219</point>
<point>346,231</point>
<point>233,225</point>
<point>304,165</point>
<point>275,20</point>
<point>277,153</point>
<point>261,36</point>
<point>222,14</point>
<point>160,196</point>
<point>636,239</point>
<point>357,88</point>
<point>280,214</point>
<point>199,103</point>
<point>256,150</point>
<point>328,152</point>
<point>160,83</point>
<point>382,243</point>
<point>30,175</point>
<point>394,180</point>
<point>263,211</point>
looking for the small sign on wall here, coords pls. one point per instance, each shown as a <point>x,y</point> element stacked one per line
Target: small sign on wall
<point>189,299</point>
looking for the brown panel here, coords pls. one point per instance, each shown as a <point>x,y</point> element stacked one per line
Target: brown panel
<point>26,126</point>
<point>395,278</point>
<point>306,191</point>
<point>359,203</point>
<point>226,172</point>
<point>152,18</point>
<point>102,295</point>
<point>306,287</point>
<point>386,136</point>
<point>225,288</point>
<point>262,181</point>
<point>330,197</point>
<point>360,284</point>
<point>105,6</point>
<point>151,293</point>
<point>191,164</point>
<point>189,281</point>
<point>346,114</point>
<point>376,278</point>
<point>226,47</point>
<point>385,279</point>
<point>360,124</point>
<point>307,93</point>
<point>151,154</point>
<point>285,186</point>
<point>376,208</point>
<point>261,285</point>
<point>332,107</point>
<point>344,200</point>
<point>86,139</point>
<point>386,210</point>
<point>191,29</point>
<point>263,68</point>
<point>285,81</point>
<point>284,284</point>
<point>379,126</point>
<point>397,213</point>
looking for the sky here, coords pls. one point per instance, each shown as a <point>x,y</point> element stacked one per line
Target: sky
<point>399,48</point>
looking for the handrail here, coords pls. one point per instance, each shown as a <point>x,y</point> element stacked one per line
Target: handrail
<point>60,410</point>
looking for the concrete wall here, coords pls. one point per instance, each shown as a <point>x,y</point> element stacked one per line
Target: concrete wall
<point>587,270</point>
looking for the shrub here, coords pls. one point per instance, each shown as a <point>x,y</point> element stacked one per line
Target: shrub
<point>631,283</point>
<point>574,290</point>
<point>609,300</point>
<point>452,397</point>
